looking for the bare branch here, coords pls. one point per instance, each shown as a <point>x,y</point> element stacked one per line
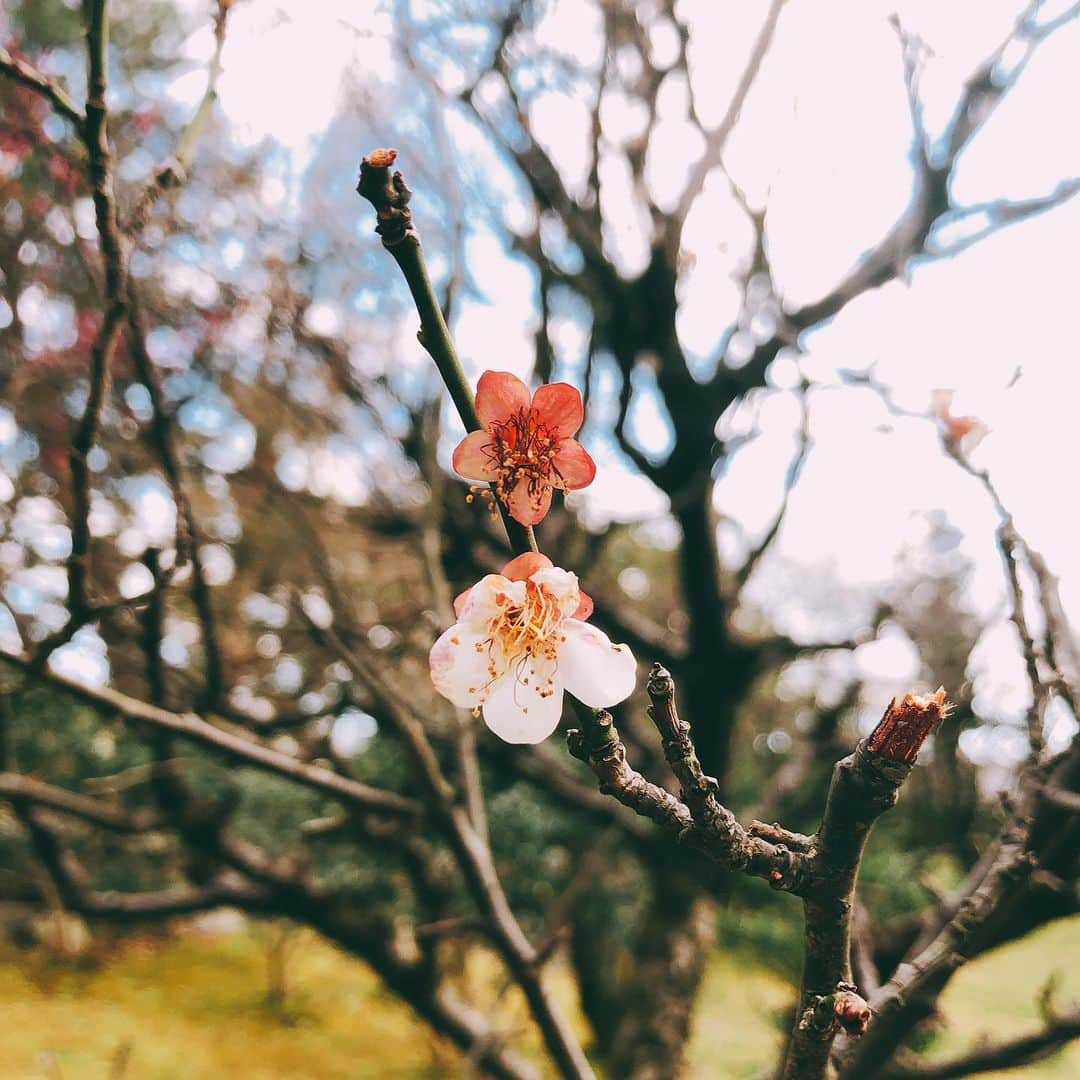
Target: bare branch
<point>991,1057</point>
<point>16,786</point>
<point>995,216</point>
<point>983,91</point>
<point>189,726</point>
<point>174,171</point>
<point>865,784</point>
<point>700,822</point>
<point>716,140</point>
<point>910,993</point>
<point>790,480</point>
<point>26,75</point>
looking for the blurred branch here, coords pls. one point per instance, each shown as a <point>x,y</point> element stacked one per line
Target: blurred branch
<point>794,471</point>
<point>189,726</point>
<point>716,140</point>
<point>174,171</point>
<point>1012,547</point>
<point>26,75</point>
<point>778,649</point>
<point>993,1056</point>
<point>474,858</point>
<point>17,786</point>
<point>983,91</point>
<point>542,174</point>
<point>188,533</point>
<point>96,140</point>
<point>997,214</point>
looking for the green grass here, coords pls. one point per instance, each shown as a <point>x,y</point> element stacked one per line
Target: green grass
<point>194,1007</point>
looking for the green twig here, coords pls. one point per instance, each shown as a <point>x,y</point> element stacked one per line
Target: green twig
<point>390,196</point>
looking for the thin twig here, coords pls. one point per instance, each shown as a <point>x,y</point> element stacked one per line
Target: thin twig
<point>27,75</point>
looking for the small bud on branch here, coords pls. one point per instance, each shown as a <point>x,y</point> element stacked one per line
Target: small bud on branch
<point>389,194</point>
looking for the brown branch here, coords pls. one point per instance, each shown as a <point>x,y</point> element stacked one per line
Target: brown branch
<point>991,1057</point>
<point>16,786</point>
<point>537,167</point>
<point>997,214</point>
<point>865,784</point>
<point>26,75</point>
<point>165,903</point>
<point>193,728</point>
<point>700,822</point>
<point>95,137</point>
<point>794,471</point>
<point>910,993</point>
<point>735,846</point>
<point>188,533</point>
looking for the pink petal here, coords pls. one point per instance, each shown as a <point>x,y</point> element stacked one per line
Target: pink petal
<point>573,464</point>
<point>474,457</point>
<point>558,406</point>
<point>584,609</point>
<point>498,396</point>
<point>594,670</point>
<point>524,566</point>
<point>462,599</point>
<point>526,507</point>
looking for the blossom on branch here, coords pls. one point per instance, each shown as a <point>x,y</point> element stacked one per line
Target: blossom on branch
<point>525,446</point>
<point>519,642</point>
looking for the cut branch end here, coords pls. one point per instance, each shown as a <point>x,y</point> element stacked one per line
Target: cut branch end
<point>907,724</point>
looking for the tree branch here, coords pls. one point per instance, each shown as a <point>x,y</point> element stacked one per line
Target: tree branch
<point>716,140</point>
<point>191,727</point>
<point>865,784</point>
<point>1010,1054</point>
<point>26,75</point>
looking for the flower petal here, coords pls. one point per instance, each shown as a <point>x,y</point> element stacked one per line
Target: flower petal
<point>488,599</point>
<point>462,599</point>
<point>573,465</point>
<point>584,608</point>
<point>596,672</point>
<point>558,406</point>
<point>474,457</point>
<point>518,714</point>
<point>498,396</point>
<point>561,585</point>
<point>524,566</point>
<point>462,672</point>
<point>526,507</point>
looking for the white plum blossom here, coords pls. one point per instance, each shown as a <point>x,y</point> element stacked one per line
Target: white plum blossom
<point>519,642</point>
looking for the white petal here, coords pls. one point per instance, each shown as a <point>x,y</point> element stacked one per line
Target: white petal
<point>596,672</point>
<point>459,670</point>
<point>518,713</point>
<point>482,605</point>
<point>562,585</point>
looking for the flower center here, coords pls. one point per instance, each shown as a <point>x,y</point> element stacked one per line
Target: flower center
<point>523,447</point>
<point>526,635</point>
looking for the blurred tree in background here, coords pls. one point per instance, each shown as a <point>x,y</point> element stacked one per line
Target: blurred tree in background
<point>230,534</point>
